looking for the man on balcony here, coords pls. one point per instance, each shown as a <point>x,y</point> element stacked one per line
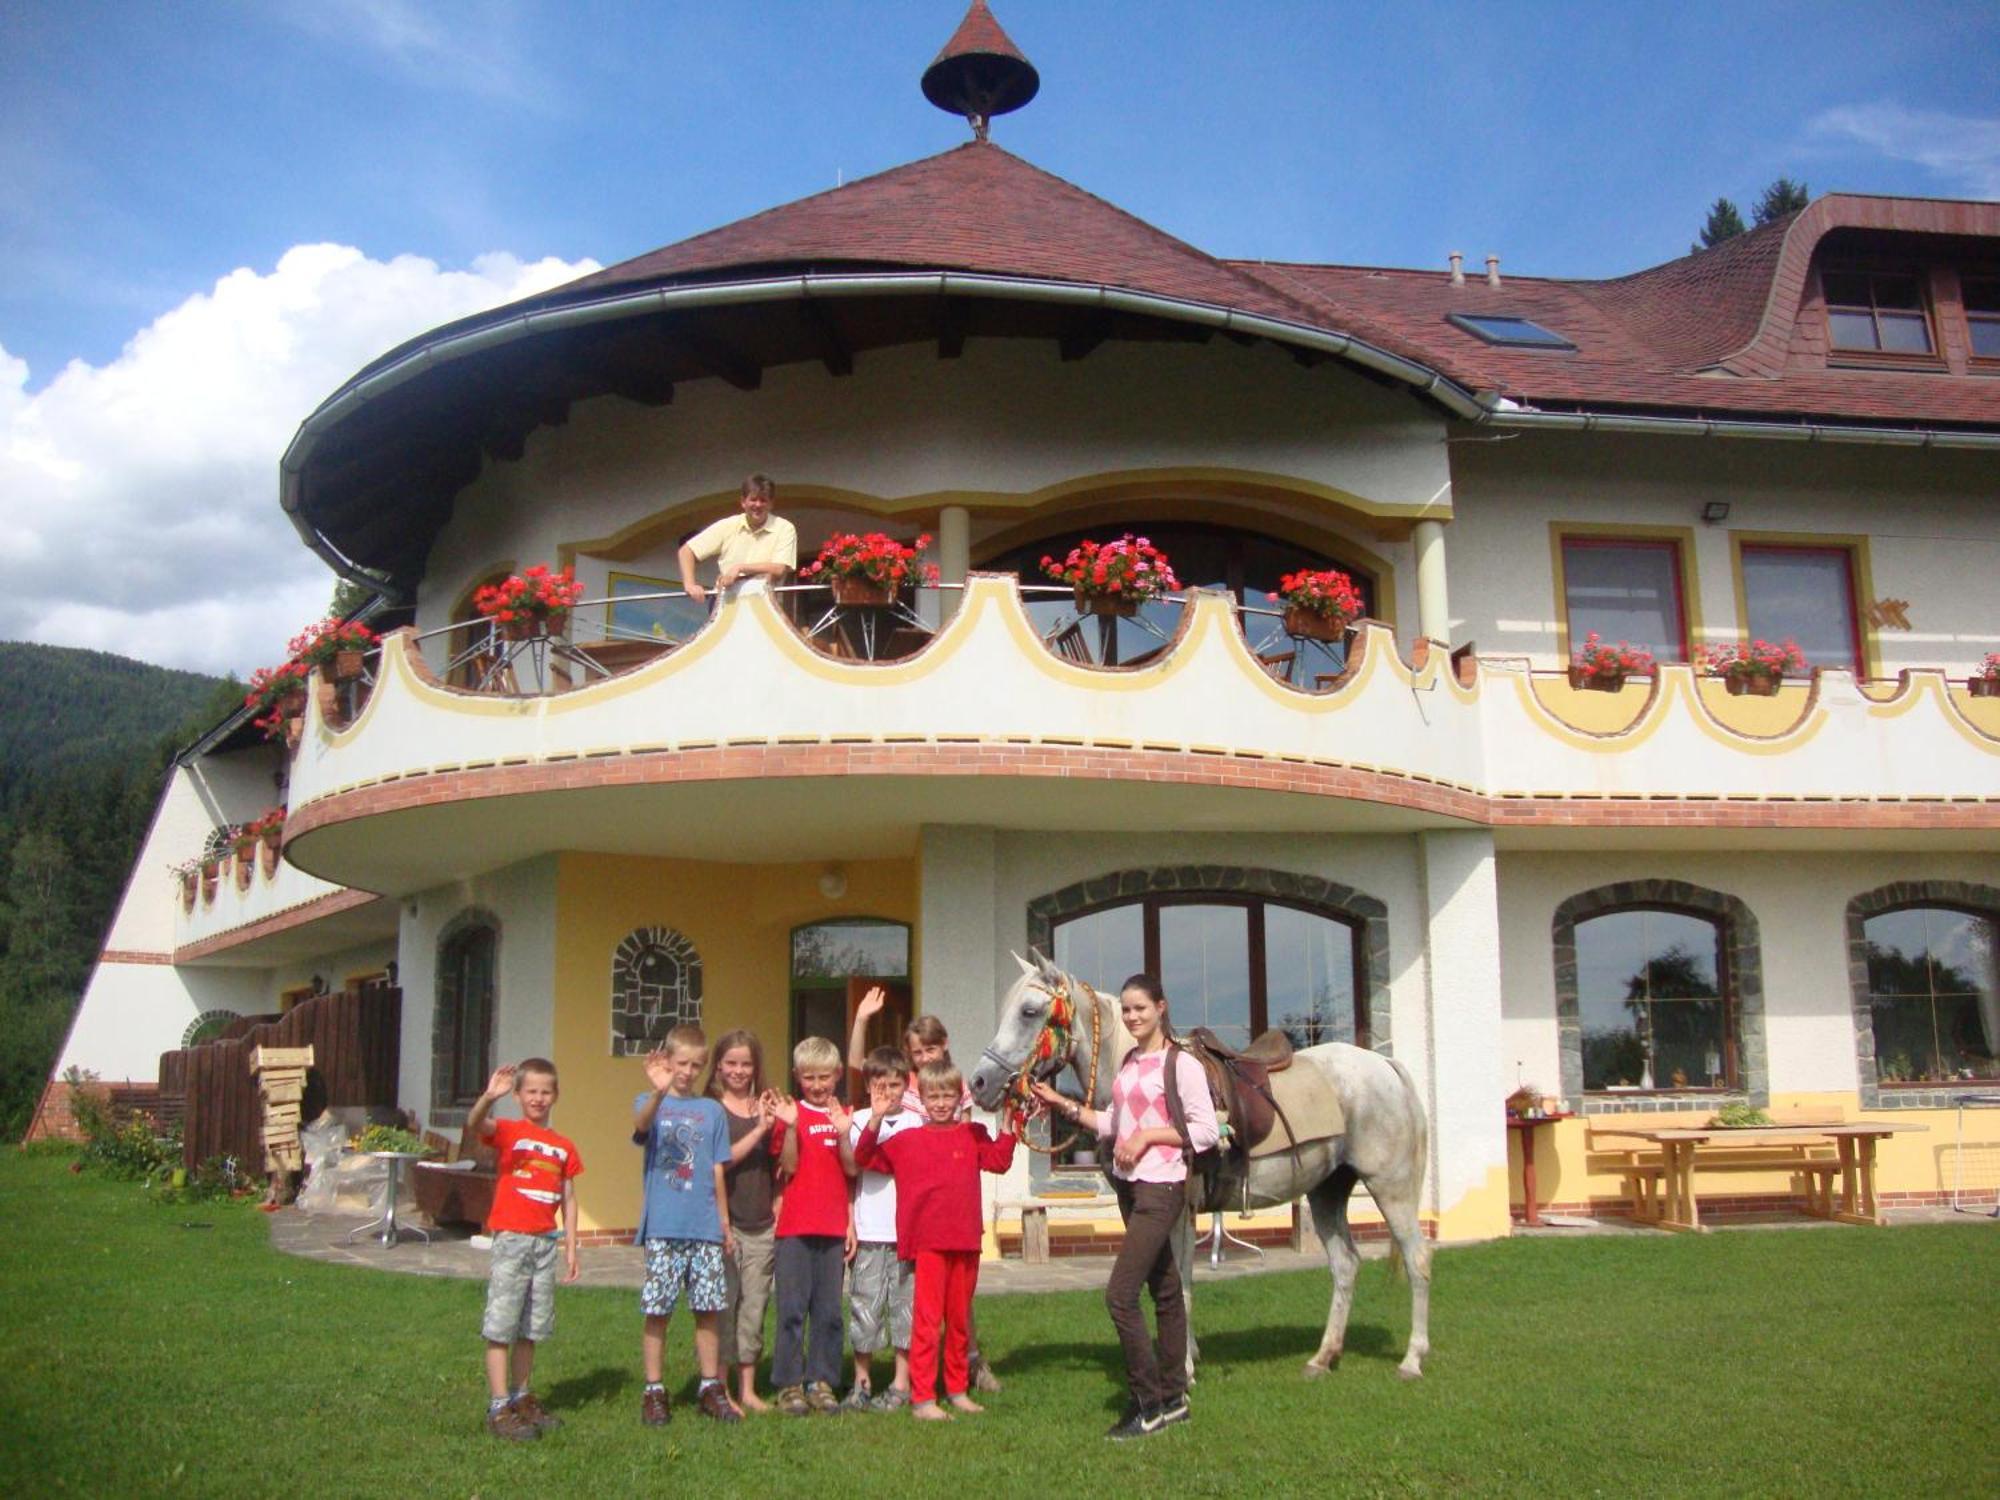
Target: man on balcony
<point>752,550</point>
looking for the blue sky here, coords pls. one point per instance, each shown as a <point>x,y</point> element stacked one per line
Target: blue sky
<point>148,149</point>
<point>213,211</point>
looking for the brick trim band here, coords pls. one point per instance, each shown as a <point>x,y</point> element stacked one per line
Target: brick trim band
<point>332,903</point>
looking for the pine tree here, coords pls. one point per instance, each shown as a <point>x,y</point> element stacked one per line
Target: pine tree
<point>1724,223</point>
<point>1782,197</point>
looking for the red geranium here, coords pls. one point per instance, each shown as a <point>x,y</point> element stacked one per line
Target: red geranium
<point>1131,568</point>
<point>872,557</point>
<point>1596,659</point>
<point>537,594</point>
<point>1758,659</point>
<point>320,642</point>
<point>1329,593</point>
<point>272,690</point>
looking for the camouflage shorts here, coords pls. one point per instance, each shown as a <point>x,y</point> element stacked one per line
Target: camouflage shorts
<point>878,1299</point>
<point>521,1288</point>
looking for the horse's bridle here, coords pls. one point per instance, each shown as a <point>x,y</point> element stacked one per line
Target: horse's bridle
<point>1054,1044</point>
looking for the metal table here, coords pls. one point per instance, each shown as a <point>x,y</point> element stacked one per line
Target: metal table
<point>387,1223</point>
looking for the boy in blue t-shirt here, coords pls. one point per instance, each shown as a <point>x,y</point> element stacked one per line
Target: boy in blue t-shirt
<point>684,1222</point>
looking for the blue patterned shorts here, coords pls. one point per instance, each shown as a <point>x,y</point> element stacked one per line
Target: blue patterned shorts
<point>674,1266</point>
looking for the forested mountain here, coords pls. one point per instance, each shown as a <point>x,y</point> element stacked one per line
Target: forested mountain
<point>85,739</point>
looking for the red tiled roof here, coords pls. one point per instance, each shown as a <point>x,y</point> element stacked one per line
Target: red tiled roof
<point>978,32</point>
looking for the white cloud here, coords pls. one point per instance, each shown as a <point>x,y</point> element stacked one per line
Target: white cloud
<point>1963,150</point>
<point>482,54</point>
<point>141,496</point>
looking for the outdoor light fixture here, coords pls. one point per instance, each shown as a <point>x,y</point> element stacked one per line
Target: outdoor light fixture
<point>1715,510</point>
<point>833,882</point>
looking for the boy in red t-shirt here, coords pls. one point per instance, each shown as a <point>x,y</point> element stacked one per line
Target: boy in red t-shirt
<point>537,1175</point>
<point>815,1233</point>
<point>938,1225</point>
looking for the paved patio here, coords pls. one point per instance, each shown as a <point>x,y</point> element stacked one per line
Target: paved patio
<point>324,1237</point>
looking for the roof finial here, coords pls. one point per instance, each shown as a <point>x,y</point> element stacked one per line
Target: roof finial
<point>980,73</point>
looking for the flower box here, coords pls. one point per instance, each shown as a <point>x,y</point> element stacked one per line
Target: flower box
<point>1116,606</point>
<point>531,627</point>
<point>1983,687</point>
<point>270,858</point>
<point>1586,681</point>
<point>1752,684</point>
<point>859,593</point>
<point>531,605</point>
<point>1310,625</point>
<point>1114,578</point>
<point>347,665</point>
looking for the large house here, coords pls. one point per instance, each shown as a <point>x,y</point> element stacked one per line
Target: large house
<point>1432,838</point>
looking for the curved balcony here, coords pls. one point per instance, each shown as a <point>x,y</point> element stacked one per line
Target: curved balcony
<point>988,724</point>
<point>244,915</point>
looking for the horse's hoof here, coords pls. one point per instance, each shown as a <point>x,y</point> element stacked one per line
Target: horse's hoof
<point>1404,1372</point>
<point>1313,1370</point>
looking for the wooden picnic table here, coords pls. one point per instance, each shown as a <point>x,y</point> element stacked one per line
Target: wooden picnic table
<point>1855,1164</point>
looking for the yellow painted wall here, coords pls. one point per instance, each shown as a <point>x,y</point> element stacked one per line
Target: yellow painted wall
<point>740,919</point>
<point>1916,1161</point>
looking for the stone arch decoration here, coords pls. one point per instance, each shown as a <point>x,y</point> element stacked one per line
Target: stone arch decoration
<point>445,999</point>
<point>205,1026</point>
<point>655,986</point>
<point>1963,895</point>
<point>1328,897</point>
<point>1742,953</point>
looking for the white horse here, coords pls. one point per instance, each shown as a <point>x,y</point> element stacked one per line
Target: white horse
<point>1384,1146</point>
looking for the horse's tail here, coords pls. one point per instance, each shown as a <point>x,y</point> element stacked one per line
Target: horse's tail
<point>1419,1156</point>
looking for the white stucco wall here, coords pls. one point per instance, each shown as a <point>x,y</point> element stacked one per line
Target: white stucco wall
<point>1005,420</point>
<point>1928,515</point>
<point>523,899</point>
<point>131,1013</point>
<point>1800,903</point>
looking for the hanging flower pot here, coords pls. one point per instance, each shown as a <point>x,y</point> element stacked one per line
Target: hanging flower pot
<point>1986,683</point>
<point>246,865</point>
<point>347,665</point>
<point>1117,606</point>
<point>294,731</point>
<point>1599,667</point>
<point>190,882</point>
<point>531,627</point>
<point>1586,681</point>
<point>211,872</point>
<point>532,605</point>
<point>1320,605</point>
<point>1752,684</point>
<point>858,593</point>
<point>1114,578</point>
<point>270,858</point>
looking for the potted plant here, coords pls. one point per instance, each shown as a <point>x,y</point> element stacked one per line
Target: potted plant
<point>1114,578</point>
<point>1753,670</point>
<point>188,873</point>
<point>1319,606</point>
<point>277,695</point>
<point>211,872</point>
<point>866,570</point>
<point>530,605</point>
<point>1985,683</point>
<point>1598,667</point>
<point>337,647</point>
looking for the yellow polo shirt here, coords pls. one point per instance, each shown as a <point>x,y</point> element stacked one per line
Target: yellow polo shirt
<point>733,544</point>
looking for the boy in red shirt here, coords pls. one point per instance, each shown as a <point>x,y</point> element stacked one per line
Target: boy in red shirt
<point>537,1175</point>
<point>938,1225</point>
<point>815,1232</point>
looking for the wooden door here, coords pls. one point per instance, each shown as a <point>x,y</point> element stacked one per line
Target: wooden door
<point>886,1030</point>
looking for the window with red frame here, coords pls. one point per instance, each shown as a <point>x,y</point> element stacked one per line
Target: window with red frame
<point>1625,590</point>
<point>1982,315</point>
<point>1878,312</point>
<point>1804,594</point>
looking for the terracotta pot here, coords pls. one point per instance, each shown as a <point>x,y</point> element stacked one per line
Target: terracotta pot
<point>1752,684</point>
<point>347,665</point>
<point>189,884</point>
<point>209,878</point>
<point>273,836</point>
<point>1310,625</point>
<point>1984,687</point>
<point>294,728</point>
<point>292,704</point>
<point>245,867</point>
<point>1107,604</point>
<point>1595,682</point>
<point>858,593</point>
<point>531,628</point>
<point>270,859</point>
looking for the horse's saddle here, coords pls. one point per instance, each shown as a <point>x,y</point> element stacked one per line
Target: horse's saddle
<point>1240,1083</point>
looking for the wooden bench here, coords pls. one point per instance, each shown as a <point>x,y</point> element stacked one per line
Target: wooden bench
<point>1642,1167</point>
<point>461,1196</point>
<point>1034,1214</point>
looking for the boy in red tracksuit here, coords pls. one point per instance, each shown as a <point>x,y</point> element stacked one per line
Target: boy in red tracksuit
<point>938,1224</point>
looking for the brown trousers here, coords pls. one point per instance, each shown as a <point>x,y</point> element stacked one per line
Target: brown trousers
<point>1152,1212</point>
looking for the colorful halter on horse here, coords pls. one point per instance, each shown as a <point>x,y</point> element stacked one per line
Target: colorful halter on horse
<point>1055,1042</point>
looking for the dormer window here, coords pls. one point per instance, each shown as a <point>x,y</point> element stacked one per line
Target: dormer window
<point>1877,312</point>
<point>1982,316</point>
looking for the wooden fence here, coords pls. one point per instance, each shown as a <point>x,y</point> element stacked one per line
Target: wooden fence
<point>356,1039</point>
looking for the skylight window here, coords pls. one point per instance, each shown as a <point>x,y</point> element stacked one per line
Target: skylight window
<point>1516,333</point>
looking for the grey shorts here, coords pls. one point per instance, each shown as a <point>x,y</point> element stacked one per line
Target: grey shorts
<point>674,1266</point>
<point>879,1289</point>
<point>521,1288</point>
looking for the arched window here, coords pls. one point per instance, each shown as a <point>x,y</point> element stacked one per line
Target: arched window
<point>1652,995</point>
<point>207,1026</point>
<point>463,1024</point>
<point>1933,999</point>
<point>1236,964</point>
<point>655,986</point>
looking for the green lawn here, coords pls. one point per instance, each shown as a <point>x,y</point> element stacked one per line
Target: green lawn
<point>170,1350</point>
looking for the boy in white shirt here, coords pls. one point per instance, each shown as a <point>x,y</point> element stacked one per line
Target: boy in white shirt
<point>879,1285</point>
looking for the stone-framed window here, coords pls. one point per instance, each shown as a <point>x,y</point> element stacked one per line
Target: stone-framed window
<point>1703,989</point>
<point>1313,954</point>
<point>466,1014</point>
<point>207,1026</point>
<point>1921,967</point>
<point>655,986</point>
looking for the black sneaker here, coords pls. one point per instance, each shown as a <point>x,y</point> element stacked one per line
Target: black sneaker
<point>1138,1422</point>
<point>1174,1411</point>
